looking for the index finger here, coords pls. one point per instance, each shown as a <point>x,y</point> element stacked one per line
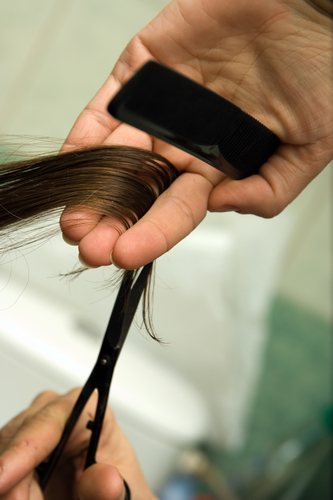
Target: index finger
<point>34,441</point>
<point>94,125</point>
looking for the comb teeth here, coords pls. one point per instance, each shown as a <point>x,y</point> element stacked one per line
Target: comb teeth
<point>250,147</point>
<point>187,115</point>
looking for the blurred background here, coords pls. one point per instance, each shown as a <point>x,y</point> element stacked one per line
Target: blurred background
<point>238,403</point>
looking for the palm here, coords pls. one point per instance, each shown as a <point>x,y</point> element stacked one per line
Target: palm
<point>249,53</point>
<point>270,58</point>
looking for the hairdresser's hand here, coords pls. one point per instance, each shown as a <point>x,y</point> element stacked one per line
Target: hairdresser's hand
<point>271,58</point>
<point>31,436</point>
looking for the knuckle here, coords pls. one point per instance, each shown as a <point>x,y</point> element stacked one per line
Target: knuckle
<point>185,209</point>
<point>100,117</point>
<point>5,435</point>
<point>47,416</point>
<point>47,395</point>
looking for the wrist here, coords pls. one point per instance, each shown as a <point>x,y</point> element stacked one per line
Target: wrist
<point>323,6</point>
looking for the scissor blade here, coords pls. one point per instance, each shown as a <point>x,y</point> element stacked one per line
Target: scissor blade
<point>133,302</point>
<point>125,307</point>
<point>114,327</point>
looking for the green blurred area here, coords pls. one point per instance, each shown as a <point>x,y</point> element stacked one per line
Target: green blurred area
<point>294,393</point>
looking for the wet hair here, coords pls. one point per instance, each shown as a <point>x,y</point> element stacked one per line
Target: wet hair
<point>116,181</point>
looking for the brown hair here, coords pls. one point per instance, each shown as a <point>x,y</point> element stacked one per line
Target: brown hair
<point>117,181</point>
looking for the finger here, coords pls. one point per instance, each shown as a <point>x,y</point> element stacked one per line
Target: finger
<point>102,482</point>
<point>94,124</point>
<point>93,232</point>
<point>279,182</point>
<point>26,489</point>
<point>125,135</point>
<point>95,248</point>
<point>9,430</point>
<point>42,399</point>
<point>95,235</point>
<point>172,217</point>
<point>34,441</point>
<point>76,223</point>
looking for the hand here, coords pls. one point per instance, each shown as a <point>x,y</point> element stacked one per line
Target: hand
<point>272,59</point>
<point>30,437</point>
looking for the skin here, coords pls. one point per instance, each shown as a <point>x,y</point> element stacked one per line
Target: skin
<point>274,60</point>
<point>29,438</point>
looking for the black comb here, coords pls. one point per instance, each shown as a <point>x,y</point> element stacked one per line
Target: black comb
<point>187,115</point>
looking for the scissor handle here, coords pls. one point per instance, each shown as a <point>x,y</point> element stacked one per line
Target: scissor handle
<point>100,378</point>
<point>103,394</point>
<point>45,469</point>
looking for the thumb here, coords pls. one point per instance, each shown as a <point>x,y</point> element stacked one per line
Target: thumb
<point>278,183</point>
<point>101,482</point>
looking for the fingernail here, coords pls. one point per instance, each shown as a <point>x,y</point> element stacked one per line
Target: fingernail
<point>228,208</point>
<point>70,242</point>
<point>112,261</point>
<point>83,262</point>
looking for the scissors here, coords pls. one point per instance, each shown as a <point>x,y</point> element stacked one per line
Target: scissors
<point>124,309</point>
